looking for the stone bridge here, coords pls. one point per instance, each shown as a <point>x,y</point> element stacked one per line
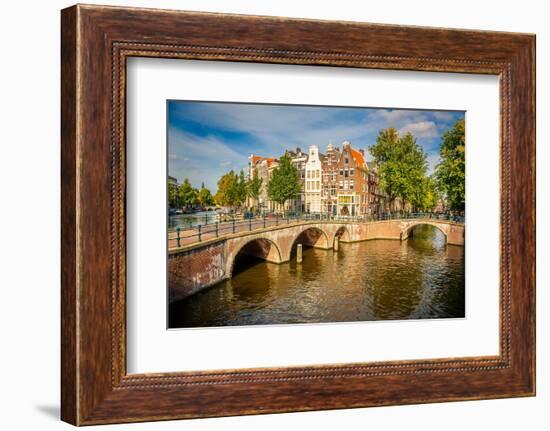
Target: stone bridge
<point>194,267</point>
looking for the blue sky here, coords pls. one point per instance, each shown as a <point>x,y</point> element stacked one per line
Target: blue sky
<point>207,139</point>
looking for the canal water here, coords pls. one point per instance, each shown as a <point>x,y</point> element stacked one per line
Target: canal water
<point>185,221</point>
<point>419,278</point>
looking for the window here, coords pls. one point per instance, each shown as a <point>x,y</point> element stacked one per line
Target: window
<point>317,174</point>
<point>318,185</point>
<point>345,184</point>
<point>346,160</point>
<point>346,173</point>
<point>341,172</point>
<point>351,184</point>
<point>341,184</point>
<point>351,172</point>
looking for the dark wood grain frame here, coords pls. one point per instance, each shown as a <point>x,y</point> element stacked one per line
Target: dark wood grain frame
<point>95,43</point>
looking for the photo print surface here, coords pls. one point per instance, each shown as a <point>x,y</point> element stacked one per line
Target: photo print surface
<point>293,214</point>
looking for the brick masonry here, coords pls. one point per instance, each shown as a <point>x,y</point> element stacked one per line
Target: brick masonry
<point>196,267</point>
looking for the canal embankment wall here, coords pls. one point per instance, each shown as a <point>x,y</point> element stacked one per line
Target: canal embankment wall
<point>198,266</point>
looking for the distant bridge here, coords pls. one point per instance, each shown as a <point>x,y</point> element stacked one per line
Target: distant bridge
<point>207,256</point>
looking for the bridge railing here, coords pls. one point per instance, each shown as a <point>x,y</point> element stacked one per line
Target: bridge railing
<point>199,233</point>
<point>179,237</point>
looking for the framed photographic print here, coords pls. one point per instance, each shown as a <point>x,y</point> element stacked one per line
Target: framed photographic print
<point>265,214</point>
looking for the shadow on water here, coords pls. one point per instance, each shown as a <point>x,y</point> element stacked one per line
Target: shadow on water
<point>420,278</point>
<point>244,262</point>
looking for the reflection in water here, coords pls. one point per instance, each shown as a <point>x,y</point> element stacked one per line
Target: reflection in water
<point>186,221</point>
<point>419,278</point>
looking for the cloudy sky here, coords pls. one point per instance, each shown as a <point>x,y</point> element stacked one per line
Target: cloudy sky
<point>207,139</point>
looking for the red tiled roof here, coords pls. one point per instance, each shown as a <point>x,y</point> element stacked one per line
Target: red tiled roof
<point>256,159</point>
<point>358,157</point>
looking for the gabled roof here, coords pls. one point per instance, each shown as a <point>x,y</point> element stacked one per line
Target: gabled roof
<point>255,159</point>
<point>270,160</point>
<point>358,157</point>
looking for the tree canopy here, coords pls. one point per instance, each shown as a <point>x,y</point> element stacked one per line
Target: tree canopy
<point>402,166</point>
<point>231,189</point>
<point>450,172</point>
<point>284,183</point>
<point>172,195</point>
<point>187,194</point>
<point>204,196</point>
<point>430,195</point>
<point>254,185</point>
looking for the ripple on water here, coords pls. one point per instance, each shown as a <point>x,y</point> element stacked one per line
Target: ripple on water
<point>420,278</point>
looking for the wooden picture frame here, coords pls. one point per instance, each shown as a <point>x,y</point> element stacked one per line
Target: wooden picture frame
<point>95,43</point>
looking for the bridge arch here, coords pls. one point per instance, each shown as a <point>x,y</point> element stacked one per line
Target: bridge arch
<point>406,232</point>
<point>342,233</point>
<point>311,236</point>
<point>259,248</point>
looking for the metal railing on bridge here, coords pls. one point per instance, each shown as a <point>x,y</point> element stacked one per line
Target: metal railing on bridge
<point>183,236</point>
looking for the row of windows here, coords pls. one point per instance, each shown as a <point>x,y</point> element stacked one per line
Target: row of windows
<point>333,159</point>
<point>313,185</point>
<point>313,174</point>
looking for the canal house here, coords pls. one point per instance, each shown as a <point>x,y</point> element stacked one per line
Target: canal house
<point>353,191</point>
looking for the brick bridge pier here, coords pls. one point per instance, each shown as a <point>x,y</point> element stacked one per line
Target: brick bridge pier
<point>198,265</point>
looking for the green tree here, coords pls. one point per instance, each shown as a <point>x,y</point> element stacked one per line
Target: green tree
<point>240,191</point>
<point>284,183</point>
<point>254,186</point>
<point>450,172</point>
<point>187,194</point>
<point>172,195</point>
<point>226,184</point>
<point>231,189</point>
<point>205,196</point>
<point>402,166</point>
<point>430,195</point>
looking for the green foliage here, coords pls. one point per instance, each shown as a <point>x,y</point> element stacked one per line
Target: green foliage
<point>187,194</point>
<point>430,195</point>
<point>205,197</point>
<point>231,189</point>
<point>172,195</point>
<point>254,186</point>
<point>401,165</point>
<point>284,183</point>
<point>224,195</point>
<point>450,172</point>
<point>240,189</point>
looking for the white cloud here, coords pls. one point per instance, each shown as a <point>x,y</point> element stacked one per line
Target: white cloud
<point>280,127</point>
<point>190,150</point>
<point>421,129</point>
<point>272,130</point>
<point>443,115</point>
